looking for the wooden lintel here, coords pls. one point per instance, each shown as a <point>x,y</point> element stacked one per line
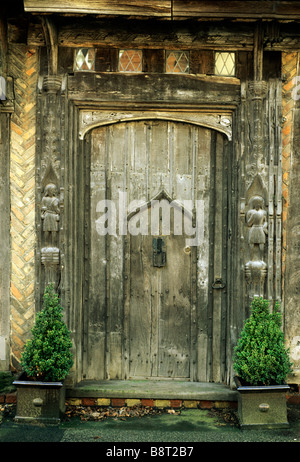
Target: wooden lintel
<point>151,8</point>
<point>170,9</point>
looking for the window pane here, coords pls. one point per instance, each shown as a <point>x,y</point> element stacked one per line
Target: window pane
<point>85,59</point>
<point>130,60</point>
<point>177,62</point>
<point>224,63</point>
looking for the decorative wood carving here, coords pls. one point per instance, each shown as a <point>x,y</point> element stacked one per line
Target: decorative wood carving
<point>50,213</point>
<point>90,119</point>
<point>262,183</point>
<point>256,219</point>
<point>49,179</point>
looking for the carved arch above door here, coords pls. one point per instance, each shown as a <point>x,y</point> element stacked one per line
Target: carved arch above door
<point>89,119</point>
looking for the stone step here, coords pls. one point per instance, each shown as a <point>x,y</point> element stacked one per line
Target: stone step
<point>152,389</point>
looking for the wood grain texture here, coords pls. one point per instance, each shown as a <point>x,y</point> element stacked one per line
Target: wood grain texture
<point>143,321</point>
<point>170,10</point>
<point>160,8</point>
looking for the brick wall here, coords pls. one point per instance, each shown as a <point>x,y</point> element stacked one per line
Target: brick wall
<point>291,214</point>
<point>23,67</point>
<point>289,70</point>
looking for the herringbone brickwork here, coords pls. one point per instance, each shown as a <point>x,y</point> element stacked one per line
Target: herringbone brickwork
<point>289,72</point>
<point>24,70</point>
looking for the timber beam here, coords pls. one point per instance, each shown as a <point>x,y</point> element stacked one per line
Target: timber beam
<point>170,9</point>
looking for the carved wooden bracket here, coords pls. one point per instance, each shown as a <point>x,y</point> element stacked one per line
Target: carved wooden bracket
<point>51,39</point>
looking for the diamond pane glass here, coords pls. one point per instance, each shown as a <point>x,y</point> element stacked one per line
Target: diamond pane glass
<point>130,60</point>
<point>177,62</point>
<point>85,59</point>
<point>224,63</point>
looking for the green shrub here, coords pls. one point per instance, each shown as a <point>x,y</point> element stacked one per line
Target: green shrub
<point>260,357</point>
<point>47,355</point>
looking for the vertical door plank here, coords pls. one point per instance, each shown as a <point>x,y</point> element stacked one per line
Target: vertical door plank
<point>96,315</point>
<point>218,259</point>
<point>175,309</point>
<point>158,156</point>
<point>182,164</point>
<point>118,146</point>
<point>140,316</point>
<point>203,251</point>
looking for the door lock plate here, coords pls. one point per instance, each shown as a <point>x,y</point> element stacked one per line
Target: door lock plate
<point>159,252</point>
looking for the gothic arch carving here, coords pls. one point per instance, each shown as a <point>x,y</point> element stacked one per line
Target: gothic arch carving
<point>90,119</point>
<point>162,195</point>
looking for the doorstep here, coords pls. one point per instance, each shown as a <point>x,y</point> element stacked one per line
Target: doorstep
<point>152,390</point>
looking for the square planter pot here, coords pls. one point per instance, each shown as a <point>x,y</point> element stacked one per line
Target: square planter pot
<point>262,406</point>
<point>39,402</point>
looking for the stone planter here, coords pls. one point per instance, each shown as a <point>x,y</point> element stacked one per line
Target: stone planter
<point>39,402</point>
<point>262,406</point>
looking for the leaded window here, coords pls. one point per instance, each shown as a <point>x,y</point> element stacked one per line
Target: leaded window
<point>224,63</point>
<point>177,62</point>
<point>84,59</point>
<point>130,60</point>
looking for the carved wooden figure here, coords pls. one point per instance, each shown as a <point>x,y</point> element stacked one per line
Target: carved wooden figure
<point>256,219</point>
<point>50,213</point>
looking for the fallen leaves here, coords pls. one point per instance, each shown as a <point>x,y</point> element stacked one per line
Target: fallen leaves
<point>6,410</point>
<point>225,416</point>
<point>123,413</point>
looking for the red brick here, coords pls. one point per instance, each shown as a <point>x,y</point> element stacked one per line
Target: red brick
<point>206,404</point>
<point>233,405</point>
<point>175,402</point>
<point>11,398</point>
<point>88,401</point>
<point>117,402</point>
<point>2,399</point>
<point>293,399</point>
<point>147,402</point>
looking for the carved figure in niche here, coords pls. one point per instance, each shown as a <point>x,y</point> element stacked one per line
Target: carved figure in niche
<point>256,219</point>
<point>50,212</point>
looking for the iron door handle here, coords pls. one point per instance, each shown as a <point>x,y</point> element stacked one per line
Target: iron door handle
<point>218,284</point>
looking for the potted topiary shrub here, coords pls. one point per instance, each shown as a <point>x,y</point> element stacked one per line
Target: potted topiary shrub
<point>262,364</point>
<point>46,362</point>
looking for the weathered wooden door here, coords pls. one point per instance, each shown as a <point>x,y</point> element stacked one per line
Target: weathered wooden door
<point>153,309</point>
<point>159,303</point>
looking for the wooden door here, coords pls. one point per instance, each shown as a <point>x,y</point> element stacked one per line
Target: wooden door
<point>159,303</point>
<point>146,318</point>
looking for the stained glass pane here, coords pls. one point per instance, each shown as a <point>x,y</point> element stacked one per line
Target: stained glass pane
<point>130,60</point>
<point>85,59</point>
<point>224,63</point>
<point>177,62</point>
